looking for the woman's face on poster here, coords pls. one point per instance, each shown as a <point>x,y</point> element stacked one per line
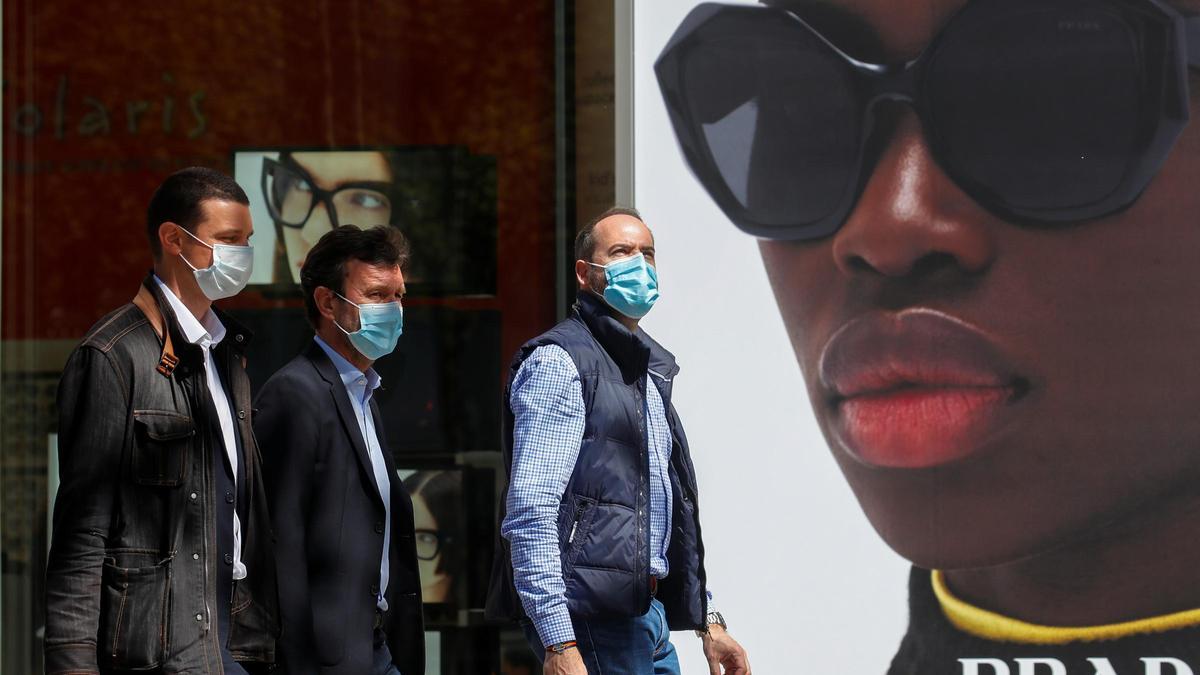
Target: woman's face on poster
<point>356,187</point>
<point>992,390</point>
<point>435,581</point>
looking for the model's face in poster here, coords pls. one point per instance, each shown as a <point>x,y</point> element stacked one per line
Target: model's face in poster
<point>437,500</point>
<point>355,187</point>
<point>435,581</point>
<point>992,391</point>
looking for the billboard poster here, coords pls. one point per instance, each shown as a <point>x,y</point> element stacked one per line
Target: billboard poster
<point>929,271</point>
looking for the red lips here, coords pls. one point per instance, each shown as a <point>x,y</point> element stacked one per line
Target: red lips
<point>916,389</point>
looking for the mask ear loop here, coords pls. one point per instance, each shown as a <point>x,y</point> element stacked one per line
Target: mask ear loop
<point>598,294</point>
<point>355,305</point>
<point>198,240</point>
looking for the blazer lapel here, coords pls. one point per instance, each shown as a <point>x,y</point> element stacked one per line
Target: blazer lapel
<point>345,409</point>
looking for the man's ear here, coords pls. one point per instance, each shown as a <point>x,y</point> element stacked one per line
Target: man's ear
<point>581,273</point>
<point>170,239</point>
<point>324,299</point>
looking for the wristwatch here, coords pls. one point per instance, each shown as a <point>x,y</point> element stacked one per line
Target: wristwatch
<point>713,618</point>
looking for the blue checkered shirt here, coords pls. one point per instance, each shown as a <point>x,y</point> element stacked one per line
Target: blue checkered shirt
<point>547,404</point>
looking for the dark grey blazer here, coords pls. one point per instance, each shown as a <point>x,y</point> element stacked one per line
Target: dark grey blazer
<point>328,523</point>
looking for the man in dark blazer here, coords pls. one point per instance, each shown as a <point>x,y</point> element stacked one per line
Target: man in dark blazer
<point>349,593</point>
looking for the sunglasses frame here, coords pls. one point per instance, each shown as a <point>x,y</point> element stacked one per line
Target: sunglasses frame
<point>319,196</point>
<point>1163,117</point>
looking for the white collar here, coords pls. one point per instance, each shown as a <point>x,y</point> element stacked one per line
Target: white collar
<point>208,331</point>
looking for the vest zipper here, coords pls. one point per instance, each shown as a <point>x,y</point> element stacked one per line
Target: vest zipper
<point>575,524</point>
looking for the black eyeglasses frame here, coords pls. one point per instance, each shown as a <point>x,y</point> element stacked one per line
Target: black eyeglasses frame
<point>319,195</point>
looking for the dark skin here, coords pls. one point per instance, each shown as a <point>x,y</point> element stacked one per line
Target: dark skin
<point>1084,509</point>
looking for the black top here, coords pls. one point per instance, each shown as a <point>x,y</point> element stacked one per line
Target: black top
<point>329,527</point>
<point>933,646</point>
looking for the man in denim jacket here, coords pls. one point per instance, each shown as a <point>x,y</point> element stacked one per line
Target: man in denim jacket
<point>161,551</point>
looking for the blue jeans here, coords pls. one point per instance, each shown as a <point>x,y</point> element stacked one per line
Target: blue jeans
<point>637,646</point>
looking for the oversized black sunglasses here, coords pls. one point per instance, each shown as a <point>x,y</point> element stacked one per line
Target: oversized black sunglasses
<point>292,195</point>
<point>1044,111</point>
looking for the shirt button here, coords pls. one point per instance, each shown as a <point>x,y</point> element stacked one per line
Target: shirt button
<point>199,617</point>
<point>193,496</point>
<point>228,558</point>
<point>195,556</point>
<point>379,528</point>
<point>228,497</point>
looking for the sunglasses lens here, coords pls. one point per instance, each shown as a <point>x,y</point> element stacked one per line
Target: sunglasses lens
<point>774,109</point>
<point>1038,109</point>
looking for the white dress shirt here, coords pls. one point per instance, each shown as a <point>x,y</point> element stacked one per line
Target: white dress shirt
<point>207,333</point>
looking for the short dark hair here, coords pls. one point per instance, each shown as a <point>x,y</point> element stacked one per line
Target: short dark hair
<point>325,264</point>
<point>585,239</point>
<point>179,197</point>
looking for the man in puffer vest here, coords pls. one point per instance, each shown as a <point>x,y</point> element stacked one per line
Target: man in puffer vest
<point>601,554</point>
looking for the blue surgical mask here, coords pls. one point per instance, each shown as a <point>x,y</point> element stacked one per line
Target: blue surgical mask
<point>632,287</point>
<point>229,272</point>
<point>379,328</point>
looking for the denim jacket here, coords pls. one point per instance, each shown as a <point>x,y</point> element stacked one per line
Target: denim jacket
<point>131,575</point>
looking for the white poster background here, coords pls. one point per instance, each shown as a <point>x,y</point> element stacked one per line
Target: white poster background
<point>805,583</point>
<point>247,171</point>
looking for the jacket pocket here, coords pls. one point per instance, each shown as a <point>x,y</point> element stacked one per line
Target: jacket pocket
<point>134,611</point>
<point>577,532</point>
<point>161,440</point>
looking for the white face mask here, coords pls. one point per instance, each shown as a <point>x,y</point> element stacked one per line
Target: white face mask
<point>229,272</point>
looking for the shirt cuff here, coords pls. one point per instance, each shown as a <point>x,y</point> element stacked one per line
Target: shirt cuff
<point>712,606</point>
<point>555,627</point>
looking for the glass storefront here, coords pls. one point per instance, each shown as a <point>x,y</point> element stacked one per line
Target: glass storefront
<point>484,130</point>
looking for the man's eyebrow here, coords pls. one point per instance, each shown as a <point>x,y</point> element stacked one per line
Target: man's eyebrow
<point>231,231</point>
<point>848,31</point>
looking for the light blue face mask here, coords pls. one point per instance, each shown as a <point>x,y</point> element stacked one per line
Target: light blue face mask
<point>632,285</point>
<point>379,328</point>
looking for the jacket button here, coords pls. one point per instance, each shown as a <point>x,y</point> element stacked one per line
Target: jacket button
<point>378,528</point>
<point>195,556</point>
<point>193,496</point>
<point>228,558</point>
<point>374,590</point>
<point>241,414</point>
<point>199,617</point>
<point>228,497</point>
<point>239,337</point>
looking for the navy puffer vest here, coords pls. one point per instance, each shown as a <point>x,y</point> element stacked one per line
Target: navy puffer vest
<point>603,519</point>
